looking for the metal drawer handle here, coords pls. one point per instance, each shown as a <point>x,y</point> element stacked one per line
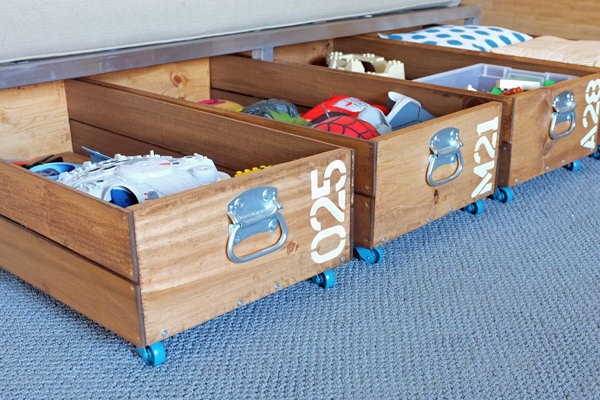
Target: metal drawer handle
<point>446,146</point>
<point>564,106</point>
<point>255,211</point>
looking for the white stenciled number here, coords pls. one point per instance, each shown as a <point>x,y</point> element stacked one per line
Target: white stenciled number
<point>592,98</point>
<point>486,145</point>
<point>320,193</point>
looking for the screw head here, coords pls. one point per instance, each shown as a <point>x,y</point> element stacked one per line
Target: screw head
<point>165,333</point>
<point>343,258</point>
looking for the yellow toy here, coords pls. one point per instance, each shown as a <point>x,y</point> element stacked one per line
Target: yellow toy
<point>248,171</point>
<point>224,104</point>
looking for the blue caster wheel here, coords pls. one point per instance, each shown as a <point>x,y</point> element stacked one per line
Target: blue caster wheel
<point>371,256</point>
<point>503,195</point>
<point>153,355</point>
<point>325,279</point>
<point>474,208</point>
<point>596,155</point>
<point>574,166</point>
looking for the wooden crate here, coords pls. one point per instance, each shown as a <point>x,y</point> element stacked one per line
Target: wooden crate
<point>392,193</point>
<point>154,269</point>
<point>527,150</point>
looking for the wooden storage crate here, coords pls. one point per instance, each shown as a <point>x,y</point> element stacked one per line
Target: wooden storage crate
<point>154,269</point>
<point>527,150</point>
<point>392,196</point>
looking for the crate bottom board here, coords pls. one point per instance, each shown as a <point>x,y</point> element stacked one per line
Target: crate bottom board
<point>83,285</point>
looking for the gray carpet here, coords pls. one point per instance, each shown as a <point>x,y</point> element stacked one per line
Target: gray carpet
<point>505,305</point>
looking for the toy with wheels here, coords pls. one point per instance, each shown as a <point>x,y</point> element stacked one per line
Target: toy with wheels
<point>503,195</point>
<point>325,279</point>
<point>371,256</point>
<point>475,208</point>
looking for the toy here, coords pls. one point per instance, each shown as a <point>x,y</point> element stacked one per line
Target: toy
<point>365,63</point>
<point>512,91</point>
<point>249,171</point>
<point>278,110</point>
<point>95,156</point>
<point>126,180</point>
<point>54,169</point>
<point>405,111</point>
<point>344,105</point>
<point>28,164</point>
<point>525,84</point>
<point>348,125</point>
<point>223,104</point>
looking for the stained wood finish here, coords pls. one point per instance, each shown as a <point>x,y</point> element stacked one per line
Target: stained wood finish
<point>307,86</point>
<point>188,80</point>
<point>110,143</point>
<point>184,129</point>
<point>93,228</point>
<point>571,19</point>
<point>423,59</point>
<point>77,282</point>
<point>534,152</point>
<point>527,149</point>
<point>34,121</point>
<point>364,220</point>
<point>403,200</point>
<point>186,276</point>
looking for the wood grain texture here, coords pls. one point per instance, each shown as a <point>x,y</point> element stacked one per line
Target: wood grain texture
<point>110,143</point>
<point>34,121</point>
<point>82,285</point>
<point>93,228</point>
<point>534,152</point>
<point>308,85</point>
<point>404,201</point>
<point>186,276</point>
<point>422,59</point>
<point>364,220</point>
<point>527,149</point>
<point>174,125</point>
<point>571,19</point>
<point>188,80</point>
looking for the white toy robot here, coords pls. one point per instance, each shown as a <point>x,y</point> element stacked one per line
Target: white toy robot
<point>125,181</point>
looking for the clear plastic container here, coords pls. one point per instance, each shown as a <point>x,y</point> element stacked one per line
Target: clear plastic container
<point>484,77</point>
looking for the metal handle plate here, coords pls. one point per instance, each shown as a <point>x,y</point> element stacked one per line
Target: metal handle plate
<point>255,211</point>
<point>564,106</point>
<point>445,146</point>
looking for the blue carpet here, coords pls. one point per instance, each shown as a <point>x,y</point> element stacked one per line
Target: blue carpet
<point>505,305</point>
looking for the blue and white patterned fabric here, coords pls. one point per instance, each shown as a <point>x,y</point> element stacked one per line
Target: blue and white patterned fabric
<point>468,37</point>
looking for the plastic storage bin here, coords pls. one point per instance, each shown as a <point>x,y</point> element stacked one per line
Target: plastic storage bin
<point>484,77</point>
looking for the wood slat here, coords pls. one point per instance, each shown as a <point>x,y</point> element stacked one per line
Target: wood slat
<point>91,227</point>
<point>34,121</point>
<point>404,201</point>
<point>110,143</point>
<point>84,286</point>
<point>422,59</point>
<point>187,80</point>
<point>186,276</point>
<point>534,152</point>
<point>184,129</point>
